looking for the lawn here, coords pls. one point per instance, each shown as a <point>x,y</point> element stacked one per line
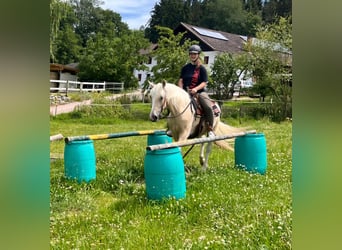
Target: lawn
<point>224,207</point>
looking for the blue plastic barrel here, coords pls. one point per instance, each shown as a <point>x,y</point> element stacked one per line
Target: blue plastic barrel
<point>250,153</point>
<point>164,170</point>
<point>80,160</point>
<point>159,137</point>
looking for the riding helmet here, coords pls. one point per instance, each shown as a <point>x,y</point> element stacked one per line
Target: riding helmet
<point>195,49</point>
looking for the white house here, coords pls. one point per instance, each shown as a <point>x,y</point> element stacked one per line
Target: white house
<point>142,75</point>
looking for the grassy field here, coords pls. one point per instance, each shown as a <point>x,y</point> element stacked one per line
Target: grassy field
<point>224,208</point>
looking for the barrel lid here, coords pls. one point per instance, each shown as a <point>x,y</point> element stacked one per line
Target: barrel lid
<point>159,132</point>
<point>80,142</point>
<point>252,135</point>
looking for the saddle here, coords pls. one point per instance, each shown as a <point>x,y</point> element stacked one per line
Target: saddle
<point>195,104</point>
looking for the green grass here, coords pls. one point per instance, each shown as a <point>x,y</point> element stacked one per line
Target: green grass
<point>224,208</point>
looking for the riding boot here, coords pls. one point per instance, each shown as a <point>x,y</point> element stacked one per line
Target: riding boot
<point>210,131</point>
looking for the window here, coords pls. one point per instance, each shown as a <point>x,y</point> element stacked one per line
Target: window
<point>139,77</point>
<point>206,60</point>
<point>149,60</point>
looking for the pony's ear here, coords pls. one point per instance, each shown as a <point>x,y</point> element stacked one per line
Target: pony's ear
<point>151,84</point>
<point>164,83</point>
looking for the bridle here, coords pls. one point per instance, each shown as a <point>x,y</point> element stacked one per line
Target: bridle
<point>164,105</point>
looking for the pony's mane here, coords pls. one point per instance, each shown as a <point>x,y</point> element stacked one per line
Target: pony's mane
<point>176,96</point>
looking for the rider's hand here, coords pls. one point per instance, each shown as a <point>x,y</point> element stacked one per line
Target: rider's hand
<point>193,91</point>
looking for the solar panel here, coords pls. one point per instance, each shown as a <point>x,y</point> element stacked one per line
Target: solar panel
<point>245,38</point>
<point>209,33</point>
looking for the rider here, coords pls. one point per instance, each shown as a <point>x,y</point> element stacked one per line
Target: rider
<point>194,79</point>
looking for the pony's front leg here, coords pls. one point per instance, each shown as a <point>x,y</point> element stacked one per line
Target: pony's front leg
<point>207,153</point>
<point>201,157</point>
<point>204,160</point>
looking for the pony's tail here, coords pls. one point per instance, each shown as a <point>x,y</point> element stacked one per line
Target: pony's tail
<point>225,129</point>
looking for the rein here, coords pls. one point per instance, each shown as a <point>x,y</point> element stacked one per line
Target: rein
<point>175,116</point>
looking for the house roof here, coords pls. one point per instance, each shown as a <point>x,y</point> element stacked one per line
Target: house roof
<point>72,68</point>
<point>148,50</point>
<point>213,40</point>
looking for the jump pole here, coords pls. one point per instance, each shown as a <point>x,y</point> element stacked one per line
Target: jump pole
<point>111,136</point>
<point>56,137</point>
<point>197,141</point>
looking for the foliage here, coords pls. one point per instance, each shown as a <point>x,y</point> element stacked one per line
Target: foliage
<point>113,60</point>
<point>67,46</point>
<point>224,208</point>
<point>167,13</point>
<point>171,55</point>
<point>253,6</point>
<point>279,32</point>
<point>272,65</point>
<point>87,18</point>
<point>225,16</point>
<point>58,11</point>
<point>226,71</point>
<point>274,9</point>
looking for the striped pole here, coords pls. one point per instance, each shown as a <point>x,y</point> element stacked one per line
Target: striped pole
<point>111,136</point>
<point>197,141</point>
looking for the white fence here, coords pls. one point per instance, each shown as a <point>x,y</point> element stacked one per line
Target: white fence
<point>66,86</point>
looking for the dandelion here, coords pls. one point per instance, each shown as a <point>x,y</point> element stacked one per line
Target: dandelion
<point>201,238</point>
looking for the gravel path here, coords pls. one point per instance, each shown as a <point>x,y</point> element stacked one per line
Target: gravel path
<point>56,109</point>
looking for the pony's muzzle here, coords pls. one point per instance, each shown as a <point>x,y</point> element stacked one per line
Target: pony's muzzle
<point>153,117</point>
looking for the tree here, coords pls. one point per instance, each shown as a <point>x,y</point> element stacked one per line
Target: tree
<point>110,23</point>
<point>226,72</point>
<point>113,60</point>
<point>273,9</point>
<point>253,6</point>
<point>91,19</point>
<point>58,11</point>
<point>171,55</point>
<point>68,46</point>
<point>85,11</point>
<point>224,15</point>
<point>166,13</point>
<point>129,56</point>
<point>272,65</point>
<point>194,11</point>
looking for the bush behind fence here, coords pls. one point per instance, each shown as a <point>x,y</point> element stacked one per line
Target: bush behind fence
<point>125,108</point>
<point>257,110</point>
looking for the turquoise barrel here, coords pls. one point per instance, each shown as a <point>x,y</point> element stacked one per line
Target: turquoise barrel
<point>80,160</point>
<point>158,137</point>
<point>164,170</point>
<point>250,153</point>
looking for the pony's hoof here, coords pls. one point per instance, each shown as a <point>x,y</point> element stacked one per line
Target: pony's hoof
<point>202,161</point>
<point>169,133</point>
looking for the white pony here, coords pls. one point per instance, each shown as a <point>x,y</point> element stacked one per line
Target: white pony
<point>182,120</point>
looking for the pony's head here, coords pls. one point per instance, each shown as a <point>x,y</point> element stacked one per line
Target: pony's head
<point>158,98</point>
